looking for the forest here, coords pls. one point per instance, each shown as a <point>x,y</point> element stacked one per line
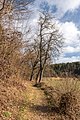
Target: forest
<point>63,70</point>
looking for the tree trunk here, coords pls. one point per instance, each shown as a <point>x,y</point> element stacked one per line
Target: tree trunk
<point>33,68</point>
<point>37,75</point>
<point>32,73</point>
<point>40,76</point>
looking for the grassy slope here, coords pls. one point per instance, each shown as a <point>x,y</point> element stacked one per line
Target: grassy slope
<point>19,100</point>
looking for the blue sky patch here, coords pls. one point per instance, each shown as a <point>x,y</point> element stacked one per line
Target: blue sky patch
<point>72,16</point>
<point>72,54</point>
<point>53,9</point>
<point>44,6</point>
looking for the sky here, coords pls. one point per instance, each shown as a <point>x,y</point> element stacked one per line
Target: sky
<point>67,14</point>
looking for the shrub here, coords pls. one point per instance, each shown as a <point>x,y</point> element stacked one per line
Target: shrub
<point>64,98</point>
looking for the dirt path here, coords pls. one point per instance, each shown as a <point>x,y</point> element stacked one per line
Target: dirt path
<point>19,100</point>
<point>35,108</point>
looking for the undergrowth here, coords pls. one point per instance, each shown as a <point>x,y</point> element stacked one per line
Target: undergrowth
<point>64,98</point>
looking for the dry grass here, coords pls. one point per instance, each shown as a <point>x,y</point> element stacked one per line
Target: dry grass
<point>64,95</point>
<point>19,100</point>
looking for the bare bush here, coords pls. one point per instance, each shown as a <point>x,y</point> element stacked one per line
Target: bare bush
<point>10,45</point>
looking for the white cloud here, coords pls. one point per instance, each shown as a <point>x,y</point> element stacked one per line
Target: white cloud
<point>67,4</point>
<point>71,34</point>
<point>68,59</point>
<point>72,42</point>
<point>62,5</point>
<point>70,49</point>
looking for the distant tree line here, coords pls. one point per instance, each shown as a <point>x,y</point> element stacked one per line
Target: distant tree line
<point>63,70</point>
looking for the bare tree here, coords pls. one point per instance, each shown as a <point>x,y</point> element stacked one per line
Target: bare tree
<point>48,42</point>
